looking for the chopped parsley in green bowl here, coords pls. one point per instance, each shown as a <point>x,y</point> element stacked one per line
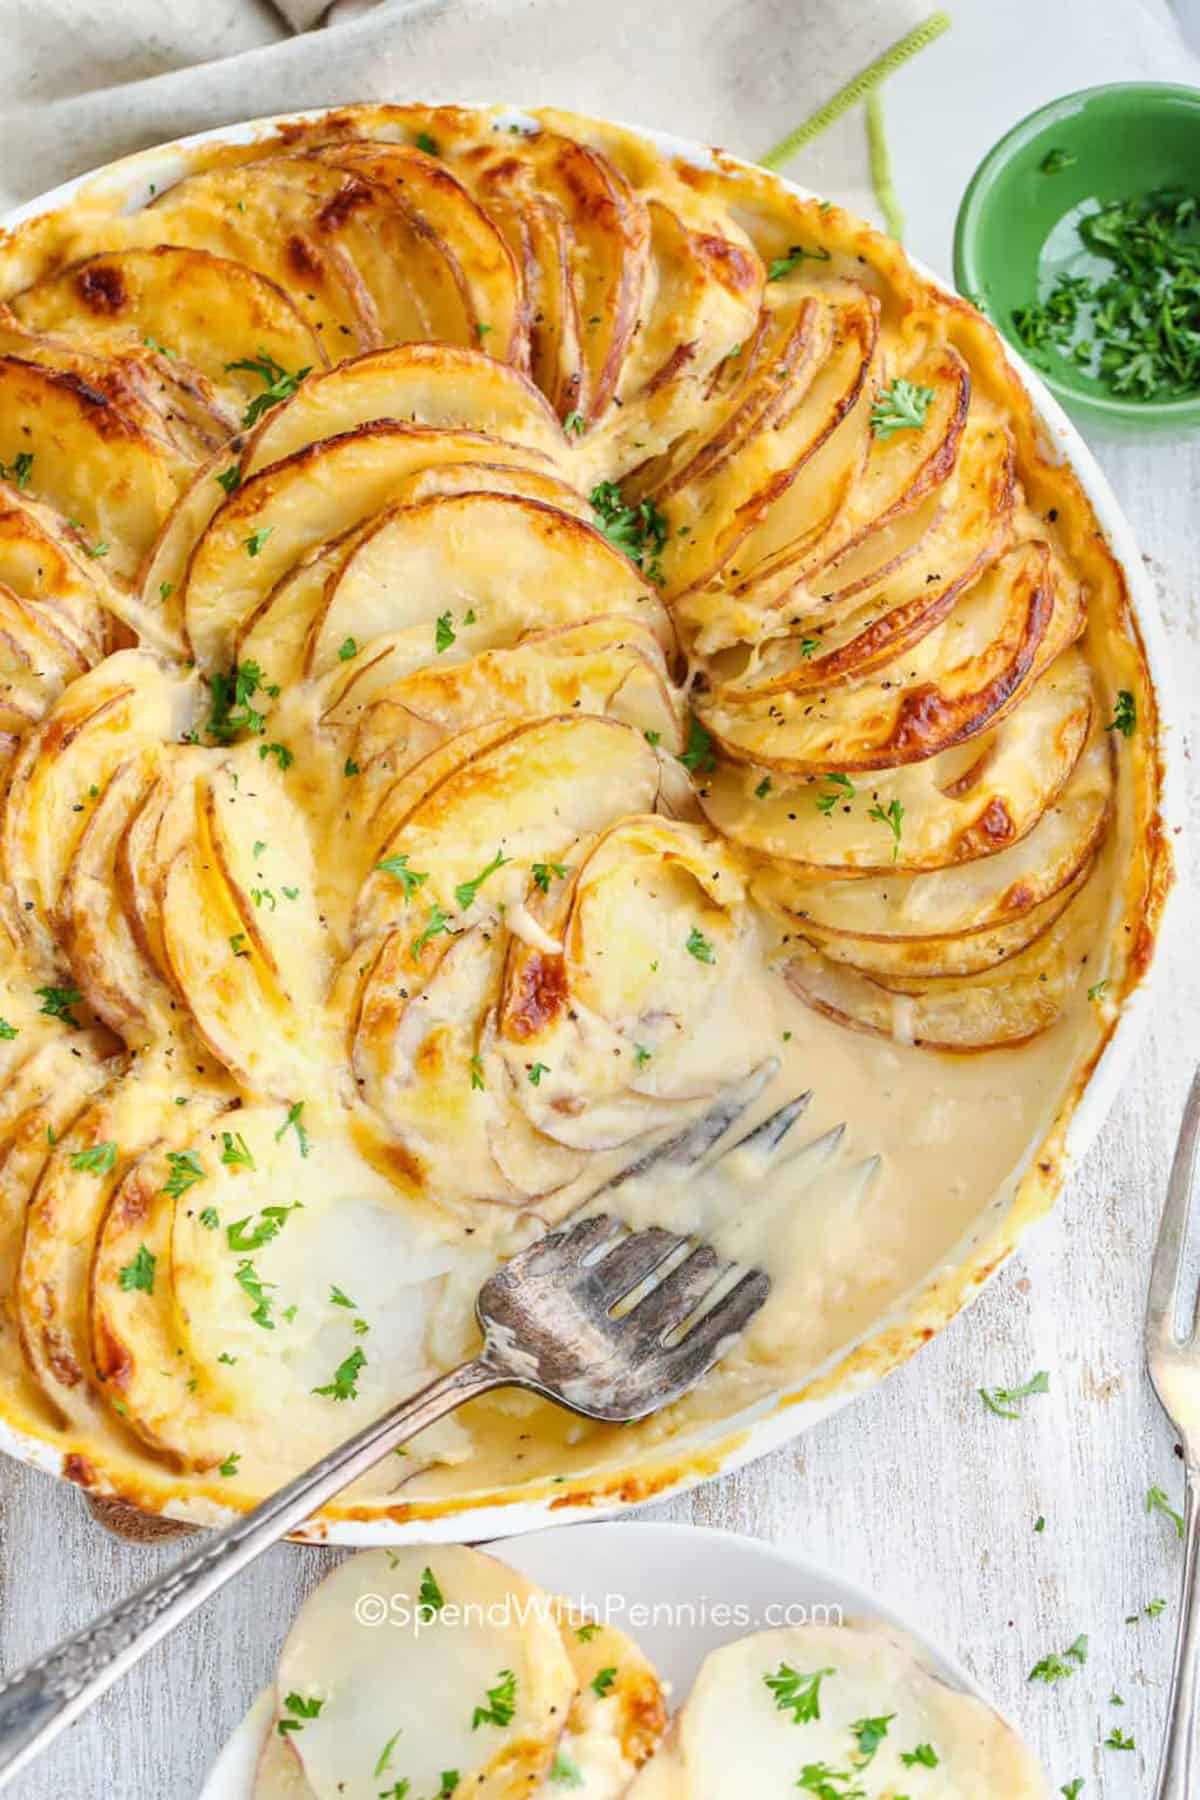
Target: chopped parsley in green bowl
<point>1079,237</point>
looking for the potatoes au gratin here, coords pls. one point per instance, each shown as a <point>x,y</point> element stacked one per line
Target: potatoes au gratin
<point>434,1672</point>
<point>504,629</point>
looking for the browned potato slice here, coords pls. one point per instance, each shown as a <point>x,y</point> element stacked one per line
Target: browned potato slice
<point>612,666</point>
<point>157,830</point>
<point>109,714</point>
<point>112,481</point>
<point>826,393</point>
<point>38,658</point>
<point>1000,1007</point>
<point>299,223</point>
<point>490,306</point>
<point>831,638</point>
<point>589,235</point>
<point>525,796</point>
<point>949,686</point>
<point>276,517</point>
<point>40,561</point>
<point>468,572</point>
<point>964,803</point>
<point>620,1699</point>
<point>208,310</point>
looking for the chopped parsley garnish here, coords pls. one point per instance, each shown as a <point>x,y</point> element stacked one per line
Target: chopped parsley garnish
<point>476,1068</point>
<point>779,266</point>
<point>565,1772</point>
<point>543,871</point>
<point>870,1734</point>
<point>300,1709</point>
<point>602,1682</point>
<point>1054,1668</point>
<point>763,788</point>
<point>465,892</point>
<point>385,1755</point>
<point>796,1693</point>
<point>891,815</point>
<point>444,633</point>
<point>230,1465</point>
<point>138,1276</point>
<point>235,1152</point>
<point>7,1031</point>
<point>1124,717</point>
<point>344,1385</point>
<point>210,1218</point>
<point>347,648</point>
<point>283,756</point>
<point>293,1123</point>
<point>924,1757</point>
<point>350,767</point>
<point>438,923</point>
<point>1153,1608</point>
<point>1098,990</point>
<point>338,1298</point>
<point>247,1278</point>
<point>1157,1501</point>
<point>165,590</point>
<point>574,424</point>
<point>501,1703</point>
<point>1119,1740</point>
<point>254,543</point>
<point>410,879</point>
<point>482,330</point>
<point>585,1633</point>
<point>424,142</point>
<point>97,1159</point>
<point>1002,1401</point>
<point>536,1072</point>
<point>231,712</point>
<point>699,756</point>
<point>1071,1790</point>
<point>230,478</point>
<point>901,406</point>
<point>19,470</point>
<point>429,1595</point>
<point>277,383</point>
<point>639,531</point>
<point>186,1171</point>
<point>242,1235</point>
<point>700,947</point>
<point>839,787</point>
<point>1137,330</point>
<point>57,1002</point>
<point>237,944</point>
<point>641,1056</point>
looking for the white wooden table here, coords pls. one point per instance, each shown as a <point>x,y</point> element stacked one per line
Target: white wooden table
<point>916,1490</point>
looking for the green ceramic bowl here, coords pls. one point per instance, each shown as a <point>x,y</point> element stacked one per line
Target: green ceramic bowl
<point>1016,226</point>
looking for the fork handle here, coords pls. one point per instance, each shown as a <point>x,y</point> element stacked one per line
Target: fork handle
<point>1179,1772</point>
<point>43,1698</point>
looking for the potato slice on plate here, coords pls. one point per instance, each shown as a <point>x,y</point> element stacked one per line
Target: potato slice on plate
<point>581,224</point>
<point>109,714</point>
<point>474,836</point>
<point>112,481</point>
<point>623,999</point>
<point>489,291</point>
<point>999,1007</point>
<point>445,385</point>
<point>766,1708</point>
<point>617,1717</point>
<point>309,1287</point>
<point>278,516</point>
<point>947,688</point>
<point>194,303</point>
<point>512,563</point>
<point>968,802</point>
<point>610,666</point>
<point>465,1685</point>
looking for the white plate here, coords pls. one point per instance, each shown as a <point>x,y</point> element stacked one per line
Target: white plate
<point>696,1589</point>
<point>728,1443</point>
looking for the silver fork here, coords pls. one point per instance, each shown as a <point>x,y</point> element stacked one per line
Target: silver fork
<point>1174,1364</point>
<point>552,1321</point>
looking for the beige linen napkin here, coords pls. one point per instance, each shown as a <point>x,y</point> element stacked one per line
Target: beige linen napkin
<point>82,81</point>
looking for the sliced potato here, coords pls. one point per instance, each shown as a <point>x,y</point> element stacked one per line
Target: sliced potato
<point>110,479</point>
<point>279,515</point>
<point>209,310</point>
<point>951,685</point>
<point>38,657</point>
<point>513,563</point>
<point>951,808</point>
<point>525,797</point>
<point>41,562</point>
<point>490,298</point>
<point>427,1699</point>
<point>999,1007</point>
<point>129,701</point>
<point>443,385</point>
<point>619,1712</point>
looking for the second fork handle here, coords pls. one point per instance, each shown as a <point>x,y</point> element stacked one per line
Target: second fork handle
<point>42,1699</point>
<point>1179,1771</point>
